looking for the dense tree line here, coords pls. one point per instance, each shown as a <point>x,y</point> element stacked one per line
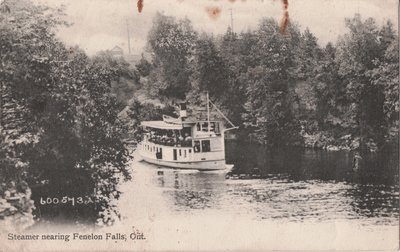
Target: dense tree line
<point>126,79</point>
<point>285,89</point>
<point>60,134</point>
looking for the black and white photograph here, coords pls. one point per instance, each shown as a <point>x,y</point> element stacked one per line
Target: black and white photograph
<point>199,125</point>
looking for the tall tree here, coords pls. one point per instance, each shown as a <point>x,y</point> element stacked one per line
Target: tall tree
<point>128,77</point>
<point>172,43</point>
<point>386,77</point>
<point>236,53</point>
<point>357,53</point>
<point>307,56</point>
<point>269,105</point>
<point>211,71</point>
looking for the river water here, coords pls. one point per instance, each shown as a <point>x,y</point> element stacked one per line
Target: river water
<point>275,199</point>
<point>298,184</point>
<point>272,199</point>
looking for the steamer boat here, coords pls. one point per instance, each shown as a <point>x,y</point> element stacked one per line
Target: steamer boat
<point>186,143</point>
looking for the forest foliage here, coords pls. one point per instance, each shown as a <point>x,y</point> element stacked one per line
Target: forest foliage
<point>60,132</point>
<point>284,89</point>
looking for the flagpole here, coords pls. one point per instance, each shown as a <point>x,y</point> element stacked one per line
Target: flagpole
<point>208,113</point>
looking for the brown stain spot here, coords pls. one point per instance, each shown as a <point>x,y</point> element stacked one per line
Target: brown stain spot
<point>213,12</point>
<point>285,4</point>
<point>140,5</point>
<point>285,18</point>
<point>284,22</point>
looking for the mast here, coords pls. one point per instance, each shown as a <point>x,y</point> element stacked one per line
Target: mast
<point>208,114</point>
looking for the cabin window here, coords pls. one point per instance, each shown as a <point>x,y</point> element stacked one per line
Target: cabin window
<point>187,131</point>
<point>180,153</point>
<point>184,153</point>
<point>205,146</point>
<point>217,130</point>
<point>198,126</point>
<point>212,126</point>
<point>190,151</point>
<point>196,146</point>
<point>175,155</point>
<point>204,126</point>
<point>159,153</point>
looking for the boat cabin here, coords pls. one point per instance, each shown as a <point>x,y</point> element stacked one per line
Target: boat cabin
<point>184,143</point>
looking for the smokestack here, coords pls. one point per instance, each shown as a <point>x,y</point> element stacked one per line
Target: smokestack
<point>182,112</point>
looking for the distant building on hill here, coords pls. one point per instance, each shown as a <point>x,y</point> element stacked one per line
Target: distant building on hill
<point>117,51</point>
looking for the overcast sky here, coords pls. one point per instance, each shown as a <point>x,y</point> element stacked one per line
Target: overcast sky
<point>102,24</point>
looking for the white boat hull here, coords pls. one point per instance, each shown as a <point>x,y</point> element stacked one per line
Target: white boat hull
<point>210,165</point>
<point>182,157</point>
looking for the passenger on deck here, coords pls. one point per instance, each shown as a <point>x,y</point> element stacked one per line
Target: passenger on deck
<point>170,142</point>
<point>196,146</point>
<point>188,140</point>
<point>180,141</point>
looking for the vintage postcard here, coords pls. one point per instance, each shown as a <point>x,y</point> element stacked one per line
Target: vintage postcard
<point>199,125</point>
